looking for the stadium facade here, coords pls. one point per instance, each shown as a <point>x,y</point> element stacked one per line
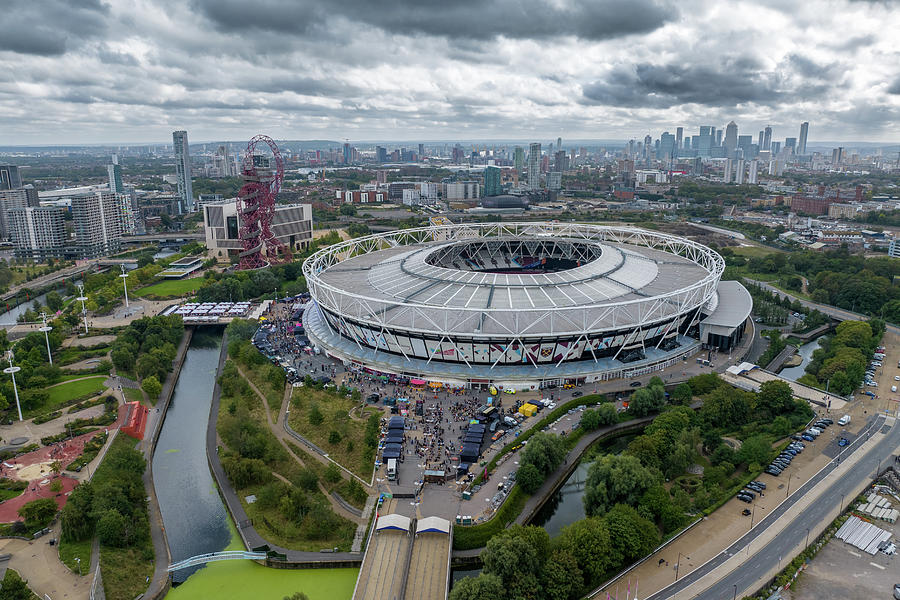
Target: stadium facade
<point>520,304</point>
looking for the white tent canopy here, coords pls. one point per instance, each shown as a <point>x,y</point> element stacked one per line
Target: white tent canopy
<point>398,522</point>
<point>433,524</point>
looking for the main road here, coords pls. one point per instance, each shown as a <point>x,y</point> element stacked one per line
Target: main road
<point>780,550</point>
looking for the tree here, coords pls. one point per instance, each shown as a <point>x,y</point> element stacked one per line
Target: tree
<point>15,588</point>
<point>516,561</point>
<point>315,415</point>
<point>755,449</point>
<point>774,398</point>
<point>563,579</point>
<point>332,473</point>
<point>646,401</point>
<point>152,387</point>
<point>588,541</point>
<point>483,587</point>
<point>614,479</point>
<point>39,512</point>
<point>76,519</point>
<point>545,452</point>
<point>112,529</point>
<point>334,437</point>
<point>297,596</point>
<point>54,301</point>
<point>631,536</point>
<point>529,478</point>
<point>682,394</point>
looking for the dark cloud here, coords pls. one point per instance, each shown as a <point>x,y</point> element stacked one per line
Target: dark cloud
<point>460,19</point>
<point>809,68</point>
<point>730,82</point>
<point>112,57</point>
<point>895,87</point>
<point>50,27</point>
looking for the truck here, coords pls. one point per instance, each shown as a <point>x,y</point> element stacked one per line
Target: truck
<point>392,469</point>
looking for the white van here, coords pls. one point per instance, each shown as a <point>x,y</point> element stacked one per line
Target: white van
<point>844,420</point>
<point>392,469</point>
<point>893,388</point>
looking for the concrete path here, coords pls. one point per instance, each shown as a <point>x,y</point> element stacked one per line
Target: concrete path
<point>38,562</point>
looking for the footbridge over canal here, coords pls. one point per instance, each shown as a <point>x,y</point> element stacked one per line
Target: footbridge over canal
<point>202,559</point>
<point>406,559</point>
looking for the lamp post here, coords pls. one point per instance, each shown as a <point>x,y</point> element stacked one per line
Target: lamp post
<point>807,538</point>
<point>11,371</point>
<point>842,504</point>
<point>678,563</point>
<point>82,297</point>
<point>78,560</point>
<point>124,277</point>
<point>734,597</point>
<point>753,514</point>
<point>47,329</point>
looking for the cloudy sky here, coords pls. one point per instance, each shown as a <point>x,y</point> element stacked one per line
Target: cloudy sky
<point>97,71</point>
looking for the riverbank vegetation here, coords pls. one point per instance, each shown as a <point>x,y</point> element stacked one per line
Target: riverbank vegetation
<point>287,507</point>
<point>148,346</point>
<point>113,506</point>
<point>840,361</point>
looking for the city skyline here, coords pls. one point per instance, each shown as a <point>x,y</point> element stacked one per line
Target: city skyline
<point>133,71</point>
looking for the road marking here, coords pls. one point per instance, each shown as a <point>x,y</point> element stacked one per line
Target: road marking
<point>877,566</point>
<point>856,554</point>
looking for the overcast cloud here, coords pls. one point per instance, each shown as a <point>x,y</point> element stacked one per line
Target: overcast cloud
<point>92,71</point>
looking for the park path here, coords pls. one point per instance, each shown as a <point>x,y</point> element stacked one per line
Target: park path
<point>280,435</point>
<point>78,379</point>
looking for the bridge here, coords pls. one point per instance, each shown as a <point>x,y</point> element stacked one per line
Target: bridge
<point>174,236</point>
<point>202,559</point>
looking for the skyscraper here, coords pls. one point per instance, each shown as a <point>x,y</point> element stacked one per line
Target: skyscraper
<point>731,139</point>
<point>98,224</point>
<point>760,142</point>
<point>558,144</point>
<point>751,176</point>
<point>183,170</point>
<point>114,171</point>
<point>718,137</point>
<point>729,169</point>
<point>705,142</point>
<point>492,185</point>
<point>348,156</point>
<point>666,146</point>
<point>804,132</point>
<point>792,144</point>
<point>767,138</point>
<point>534,166</point>
<point>679,136</point>
<point>739,173</point>
<point>519,159</point>
<point>9,177</point>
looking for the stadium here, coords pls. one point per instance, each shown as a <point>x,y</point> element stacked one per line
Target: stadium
<point>522,305</point>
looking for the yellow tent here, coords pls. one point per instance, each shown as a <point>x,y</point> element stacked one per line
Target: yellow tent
<point>529,410</point>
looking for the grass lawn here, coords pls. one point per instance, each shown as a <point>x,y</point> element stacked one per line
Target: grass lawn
<point>334,408</point>
<point>342,487</point>
<point>133,394</point>
<point>273,397</point>
<point>69,551</point>
<point>246,580</point>
<point>60,394</point>
<point>171,288</point>
<point>12,577</point>
<point>754,251</point>
<point>7,494</point>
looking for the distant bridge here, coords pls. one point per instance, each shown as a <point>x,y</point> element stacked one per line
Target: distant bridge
<point>202,559</point>
<point>175,236</point>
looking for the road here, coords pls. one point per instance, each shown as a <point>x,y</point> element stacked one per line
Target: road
<point>780,550</point>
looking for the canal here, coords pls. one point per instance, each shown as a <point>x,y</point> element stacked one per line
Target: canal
<point>192,511</point>
<point>805,352</point>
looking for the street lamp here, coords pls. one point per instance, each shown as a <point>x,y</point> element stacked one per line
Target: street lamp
<point>78,560</point>
<point>47,329</point>
<point>124,277</point>
<point>678,563</point>
<point>11,370</point>
<point>753,514</point>
<point>735,593</point>
<point>82,297</point>
<point>807,538</point>
<point>842,504</point>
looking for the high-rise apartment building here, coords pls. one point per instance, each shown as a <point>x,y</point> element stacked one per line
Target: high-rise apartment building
<point>38,232</point>
<point>679,136</point>
<point>790,145</point>
<point>114,171</point>
<point>519,160</point>
<point>752,174</point>
<point>183,170</point>
<point>554,181</point>
<point>9,177</point>
<point>837,155</point>
<point>767,138</point>
<point>534,166</point>
<point>492,185</point>
<point>561,161</point>
<point>98,224</point>
<point>348,155</point>
<point>729,169</point>
<point>739,172</point>
<point>20,197</point>
<point>804,132</point>
<point>731,139</point>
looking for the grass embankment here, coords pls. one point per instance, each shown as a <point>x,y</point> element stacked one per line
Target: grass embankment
<point>69,551</point>
<point>133,395</point>
<point>15,587</point>
<point>247,580</point>
<point>172,288</point>
<point>274,393</point>
<point>322,417</point>
<point>348,489</point>
<point>125,570</point>
<point>294,515</point>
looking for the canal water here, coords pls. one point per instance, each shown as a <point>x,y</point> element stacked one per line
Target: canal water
<point>805,351</point>
<point>192,511</point>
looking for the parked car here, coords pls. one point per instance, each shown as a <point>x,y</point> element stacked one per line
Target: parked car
<point>635,384</point>
<point>843,442</point>
<point>844,420</point>
<point>808,437</point>
<point>746,512</point>
<point>772,471</point>
<point>748,492</point>
<point>759,483</point>
<point>744,498</point>
<point>829,421</point>
<point>796,438</point>
<point>576,393</point>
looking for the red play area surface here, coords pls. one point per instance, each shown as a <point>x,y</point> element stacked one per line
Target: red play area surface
<point>65,452</point>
